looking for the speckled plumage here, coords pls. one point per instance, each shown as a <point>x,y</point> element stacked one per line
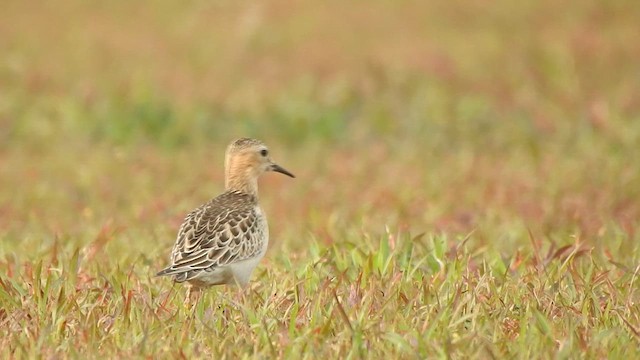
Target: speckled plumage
<point>222,241</point>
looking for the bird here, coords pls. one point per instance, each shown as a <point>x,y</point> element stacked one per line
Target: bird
<point>222,241</point>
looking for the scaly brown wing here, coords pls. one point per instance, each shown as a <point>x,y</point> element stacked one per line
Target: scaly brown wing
<point>223,231</point>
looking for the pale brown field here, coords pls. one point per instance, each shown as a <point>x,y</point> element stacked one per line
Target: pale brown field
<point>468,177</point>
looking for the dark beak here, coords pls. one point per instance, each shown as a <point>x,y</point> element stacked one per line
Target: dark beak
<point>281,170</point>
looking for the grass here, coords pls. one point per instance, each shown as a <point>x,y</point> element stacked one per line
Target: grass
<point>467,177</point>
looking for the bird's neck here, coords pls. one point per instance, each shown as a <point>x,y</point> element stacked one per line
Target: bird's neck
<point>243,181</point>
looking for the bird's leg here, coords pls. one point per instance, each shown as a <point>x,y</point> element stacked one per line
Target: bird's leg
<point>194,293</point>
<point>235,303</point>
<point>245,294</point>
<point>242,295</point>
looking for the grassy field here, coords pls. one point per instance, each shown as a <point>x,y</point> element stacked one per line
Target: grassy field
<point>468,177</point>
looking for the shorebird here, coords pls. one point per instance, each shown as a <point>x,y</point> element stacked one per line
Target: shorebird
<point>223,240</point>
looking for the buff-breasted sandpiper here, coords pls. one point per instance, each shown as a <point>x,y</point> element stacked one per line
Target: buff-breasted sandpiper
<point>222,241</point>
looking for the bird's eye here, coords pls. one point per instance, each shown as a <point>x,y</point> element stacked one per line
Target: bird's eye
<point>264,152</point>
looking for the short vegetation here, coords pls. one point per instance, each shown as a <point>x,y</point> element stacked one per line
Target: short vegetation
<point>468,177</point>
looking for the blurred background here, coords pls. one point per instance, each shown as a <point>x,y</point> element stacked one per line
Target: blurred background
<point>498,117</point>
